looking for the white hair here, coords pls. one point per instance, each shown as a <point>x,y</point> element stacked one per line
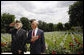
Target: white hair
<point>21,25</point>
<point>36,22</point>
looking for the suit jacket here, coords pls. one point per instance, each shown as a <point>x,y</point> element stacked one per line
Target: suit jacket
<point>18,39</point>
<point>39,45</point>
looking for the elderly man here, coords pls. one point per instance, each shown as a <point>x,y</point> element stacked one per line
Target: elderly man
<point>18,38</point>
<point>36,39</point>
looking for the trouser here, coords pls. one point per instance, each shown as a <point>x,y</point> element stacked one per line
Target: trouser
<point>34,52</point>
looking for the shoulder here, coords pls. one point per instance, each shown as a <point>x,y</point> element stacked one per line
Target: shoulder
<point>23,30</point>
<point>13,30</point>
<point>30,31</point>
<point>40,30</point>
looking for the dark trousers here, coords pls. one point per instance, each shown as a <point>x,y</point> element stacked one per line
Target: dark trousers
<point>34,52</point>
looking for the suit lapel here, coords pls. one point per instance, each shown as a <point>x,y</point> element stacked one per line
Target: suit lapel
<point>31,33</point>
<point>19,33</point>
<point>37,32</point>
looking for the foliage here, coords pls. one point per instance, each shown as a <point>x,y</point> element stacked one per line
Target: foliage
<point>6,19</point>
<point>26,23</point>
<point>76,14</point>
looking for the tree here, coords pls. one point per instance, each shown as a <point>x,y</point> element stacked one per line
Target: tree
<point>26,23</point>
<point>51,27</point>
<point>6,19</point>
<point>67,26</point>
<point>40,24</point>
<point>43,25</point>
<point>59,26</point>
<point>55,27</point>
<point>76,14</point>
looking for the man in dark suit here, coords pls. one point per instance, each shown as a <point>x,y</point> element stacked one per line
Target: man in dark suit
<point>18,38</point>
<point>36,39</point>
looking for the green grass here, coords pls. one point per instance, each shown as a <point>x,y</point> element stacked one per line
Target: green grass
<point>68,39</point>
<point>8,40</point>
<point>57,36</point>
<point>78,37</point>
<point>60,39</point>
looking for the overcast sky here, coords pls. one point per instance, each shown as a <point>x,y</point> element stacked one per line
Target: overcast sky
<point>48,11</point>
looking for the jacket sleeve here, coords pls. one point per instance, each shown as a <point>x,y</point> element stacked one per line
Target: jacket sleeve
<point>23,40</point>
<point>10,31</point>
<point>28,40</point>
<point>42,42</point>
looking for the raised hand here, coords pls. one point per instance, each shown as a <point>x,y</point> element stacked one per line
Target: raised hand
<point>34,38</point>
<point>12,24</point>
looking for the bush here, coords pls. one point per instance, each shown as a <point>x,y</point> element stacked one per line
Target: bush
<point>6,47</point>
<point>3,31</point>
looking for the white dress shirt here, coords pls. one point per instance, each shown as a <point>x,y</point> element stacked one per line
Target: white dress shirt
<point>35,31</point>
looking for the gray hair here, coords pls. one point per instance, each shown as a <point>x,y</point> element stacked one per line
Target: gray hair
<point>21,25</point>
<point>36,22</point>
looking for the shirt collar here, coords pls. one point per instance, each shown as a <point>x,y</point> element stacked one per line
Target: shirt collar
<point>36,28</point>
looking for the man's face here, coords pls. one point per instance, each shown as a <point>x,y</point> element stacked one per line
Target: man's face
<point>33,25</point>
<point>17,26</point>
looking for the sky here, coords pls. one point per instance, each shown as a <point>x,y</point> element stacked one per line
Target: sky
<point>47,11</point>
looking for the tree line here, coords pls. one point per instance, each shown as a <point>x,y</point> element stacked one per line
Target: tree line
<point>75,19</point>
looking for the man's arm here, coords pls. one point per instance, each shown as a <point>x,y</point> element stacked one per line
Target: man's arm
<point>11,29</point>
<point>42,42</point>
<point>12,24</point>
<point>28,40</point>
<point>24,37</point>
